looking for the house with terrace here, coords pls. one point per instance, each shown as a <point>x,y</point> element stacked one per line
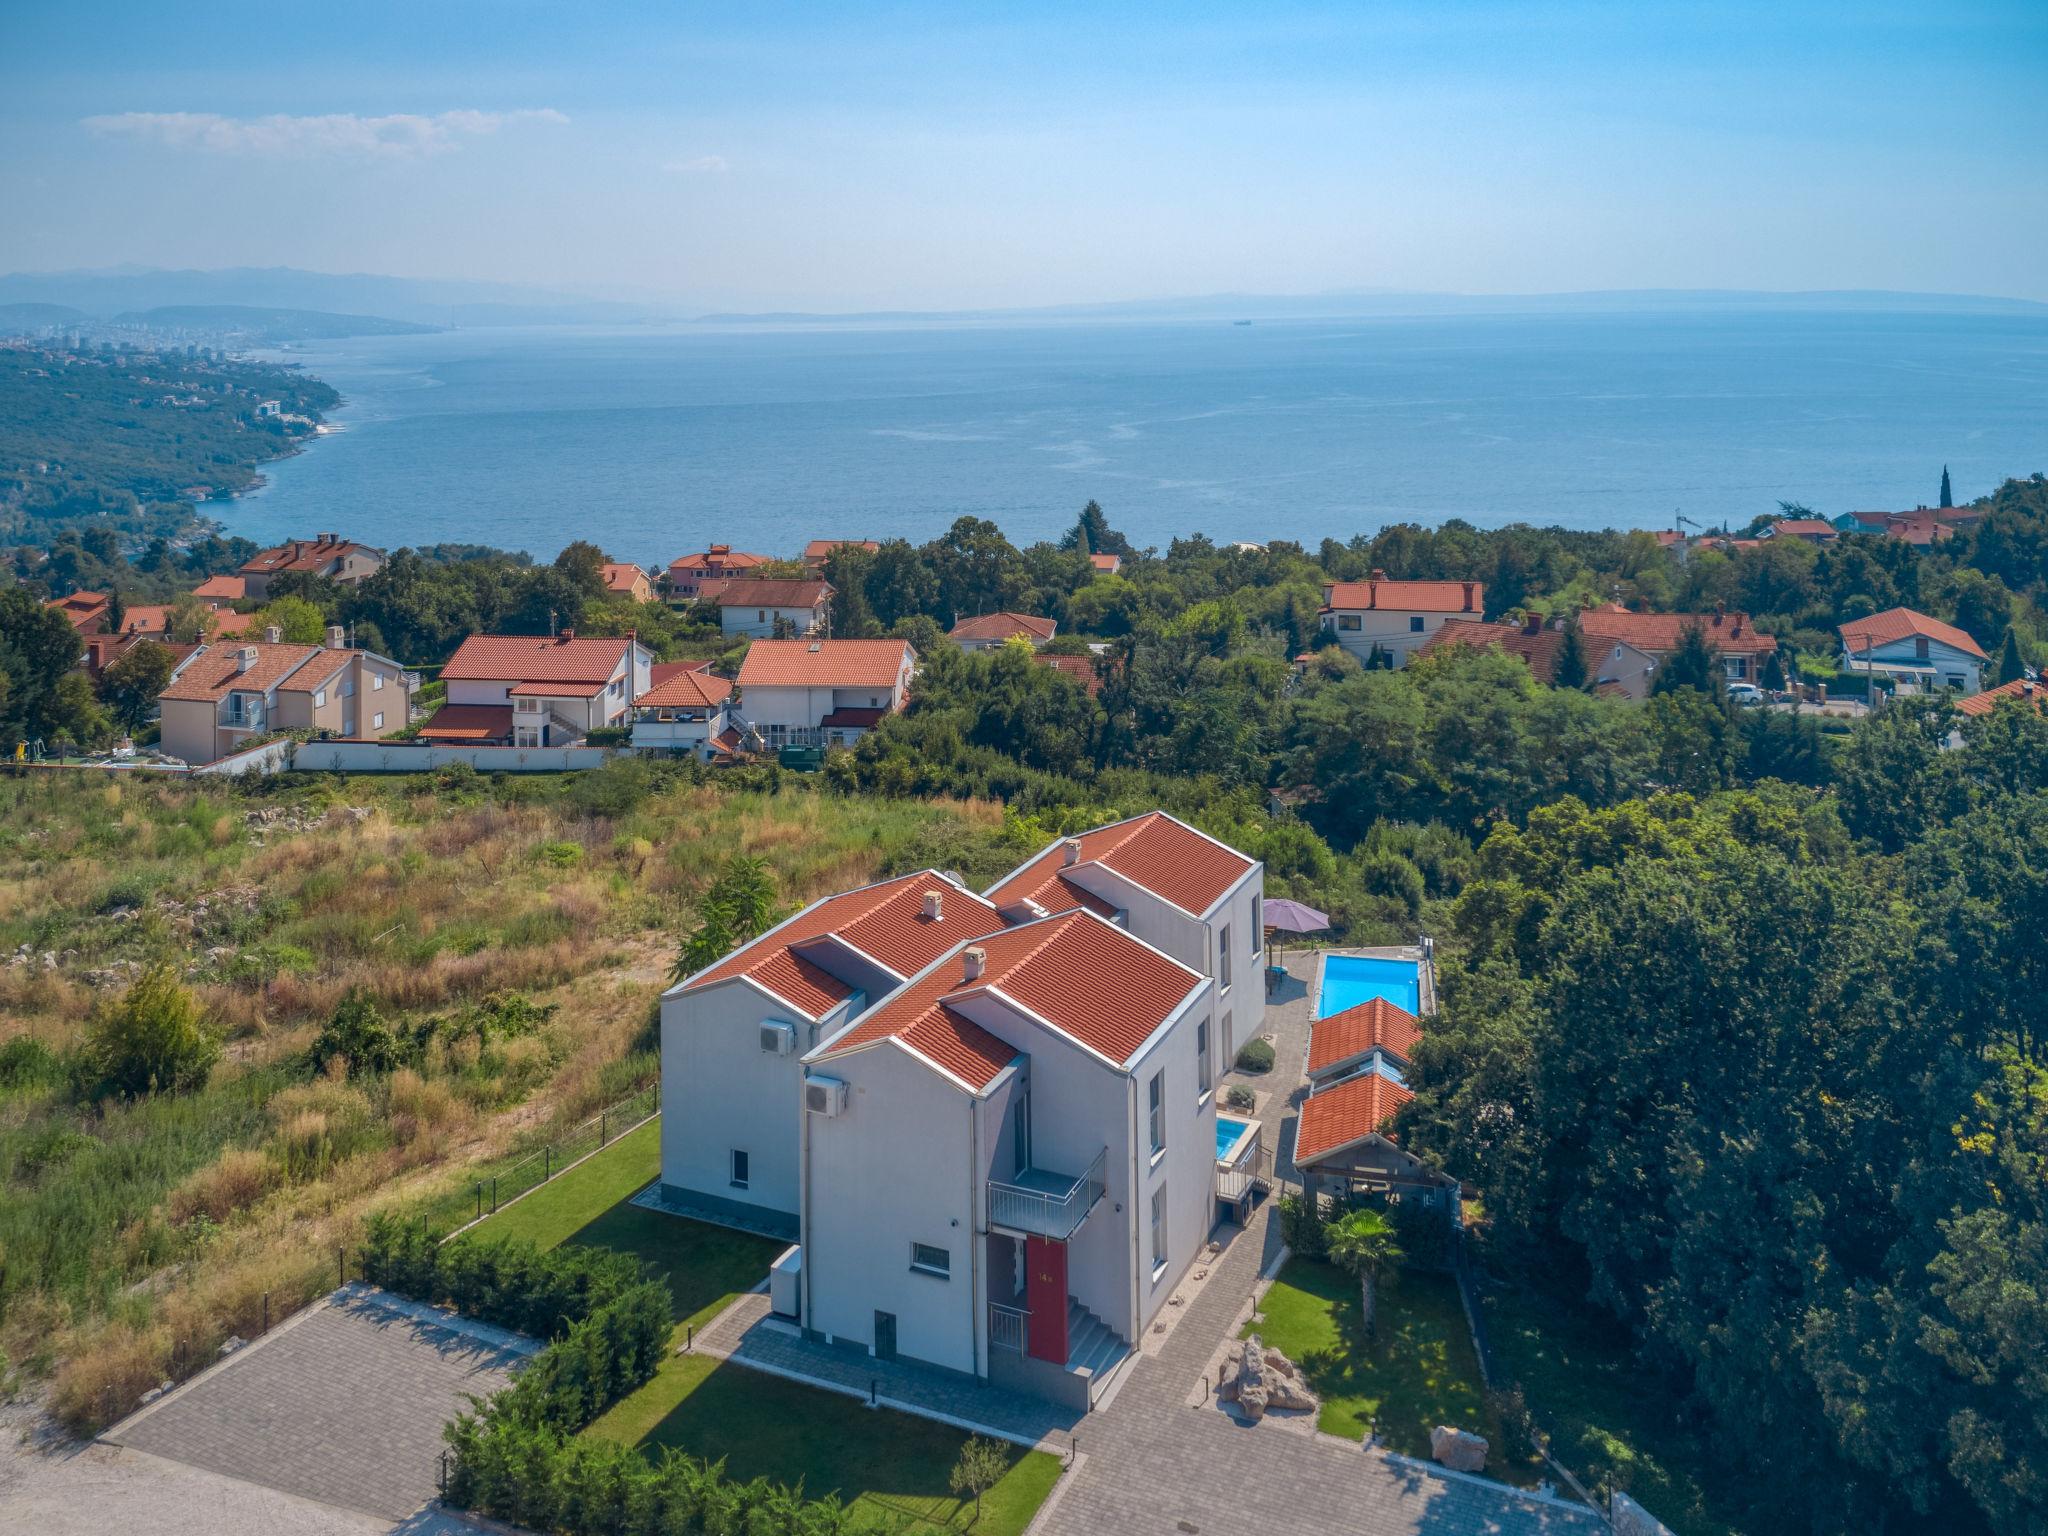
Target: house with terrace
<point>1623,649</point>
<point>329,557</point>
<point>1917,654</point>
<point>994,629</point>
<point>762,609</point>
<point>687,574</point>
<point>627,581</point>
<point>687,714</point>
<point>1392,619</point>
<point>538,690</point>
<point>826,693</point>
<point>222,697</point>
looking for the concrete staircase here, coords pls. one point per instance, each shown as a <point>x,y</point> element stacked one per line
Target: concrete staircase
<point>1092,1345</point>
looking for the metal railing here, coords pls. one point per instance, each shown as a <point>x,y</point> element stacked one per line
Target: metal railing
<point>1048,1212</point>
<point>1008,1327</point>
<point>1253,1172</point>
<point>542,1164</point>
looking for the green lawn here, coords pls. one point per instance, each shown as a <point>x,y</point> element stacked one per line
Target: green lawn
<point>1579,1376</point>
<point>889,1466</point>
<point>1417,1372</point>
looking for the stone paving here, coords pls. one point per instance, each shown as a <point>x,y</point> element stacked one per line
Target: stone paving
<point>343,1404</point>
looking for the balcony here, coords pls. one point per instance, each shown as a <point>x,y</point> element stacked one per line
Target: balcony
<point>1041,1203</point>
<point>244,713</point>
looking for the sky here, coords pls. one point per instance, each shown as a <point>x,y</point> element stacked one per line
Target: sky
<point>955,155</point>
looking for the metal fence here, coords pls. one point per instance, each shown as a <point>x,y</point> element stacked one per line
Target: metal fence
<point>537,1167</point>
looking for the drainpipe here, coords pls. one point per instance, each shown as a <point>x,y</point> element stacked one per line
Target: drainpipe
<point>1136,1188</point>
<point>977,1337</point>
<point>807,1322</point>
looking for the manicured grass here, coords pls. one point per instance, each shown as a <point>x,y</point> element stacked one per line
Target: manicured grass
<point>559,1208</point>
<point>1579,1376</point>
<point>1418,1371</point>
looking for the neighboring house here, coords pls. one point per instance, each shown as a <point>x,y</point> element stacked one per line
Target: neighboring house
<point>1808,530</point>
<point>686,713</point>
<point>1917,653</point>
<point>1199,900</point>
<point>223,696</point>
<point>627,581</point>
<point>687,575</point>
<point>1625,649</point>
<point>818,551</point>
<point>219,592</point>
<point>1921,526</point>
<point>1082,669</point>
<point>993,629</point>
<point>87,611</point>
<point>1107,565</point>
<point>1395,617</point>
<point>1374,1036</point>
<point>329,556</point>
<point>1536,645</point>
<point>2025,689</point>
<point>822,692</point>
<point>759,608</point>
<point>542,690</point>
<point>1342,1146</point>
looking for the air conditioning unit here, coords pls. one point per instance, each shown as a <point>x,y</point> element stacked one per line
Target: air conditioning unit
<point>825,1096</point>
<point>778,1039</point>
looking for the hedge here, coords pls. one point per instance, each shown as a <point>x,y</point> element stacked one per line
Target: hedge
<point>540,1292</point>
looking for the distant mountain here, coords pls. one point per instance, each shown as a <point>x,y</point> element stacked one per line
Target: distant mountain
<point>125,290</point>
<point>17,319</point>
<point>265,325</point>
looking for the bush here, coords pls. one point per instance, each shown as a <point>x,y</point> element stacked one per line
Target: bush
<point>154,1040</point>
<point>1423,1233</point>
<point>359,1035</point>
<point>1302,1226</point>
<point>1255,1055</point>
<point>1237,1096</point>
<point>514,1285</point>
<point>562,854</point>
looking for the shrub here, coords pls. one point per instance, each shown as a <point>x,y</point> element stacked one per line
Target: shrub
<point>154,1040</point>
<point>514,1285</point>
<point>1237,1096</point>
<point>562,854</point>
<point>1255,1055</point>
<point>1302,1225</point>
<point>1424,1234</point>
<point>358,1035</point>
<point>238,1180</point>
<point>25,1060</point>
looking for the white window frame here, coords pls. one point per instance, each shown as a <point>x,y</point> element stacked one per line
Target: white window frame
<point>376,681</point>
<point>1158,1230</point>
<point>1223,958</point>
<point>1202,1078</point>
<point>921,1264</point>
<point>377,721</point>
<point>1155,1103</point>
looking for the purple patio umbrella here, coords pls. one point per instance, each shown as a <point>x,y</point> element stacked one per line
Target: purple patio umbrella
<point>1293,917</point>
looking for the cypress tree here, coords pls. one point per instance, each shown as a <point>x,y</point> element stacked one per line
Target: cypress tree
<point>1571,659</point>
<point>1947,497</point>
<point>2011,665</point>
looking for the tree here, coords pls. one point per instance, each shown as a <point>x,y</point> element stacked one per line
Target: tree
<point>583,562</point>
<point>1363,1241</point>
<point>1092,535</point>
<point>117,611</point>
<point>739,905</point>
<point>359,1036</point>
<point>297,621</point>
<point>76,713</point>
<point>189,621</point>
<point>981,1465</point>
<point>154,1040</point>
<point>133,680</point>
<point>1692,665</point>
<point>1571,659</point>
<point>38,647</point>
<point>2011,665</point>
<point>1773,677</point>
<point>1947,496</point>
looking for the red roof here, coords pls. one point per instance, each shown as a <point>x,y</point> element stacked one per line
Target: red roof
<point>843,719</point>
<point>1164,856</point>
<point>564,658</point>
<point>822,549</point>
<point>661,671</point>
<point>1538,648</point>
<point>1660,634</point>
<point>303,555</point>
<point>555,690</point>
<point>773,594</point>
<point>722,557</point>
<point>1344,1114</point>
<point>1895,624</point>
<point>1080,668</point>
<point>687,689</point>
<point>1407,596</point>
<point>226,589</point>
<point>1375,1024</point>
<point>1001,626</point>
<point>2024,689</point>
<point>624,579</point>
<point>1803,527</point>
<point>216,671</point>
<point>825,663</point>
<point>1106,562</point>
<point>1082,975</point>
<point>470,723</point>
<point>885,922</point>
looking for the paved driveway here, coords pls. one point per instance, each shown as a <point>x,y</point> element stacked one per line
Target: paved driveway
<point>343,1404</point>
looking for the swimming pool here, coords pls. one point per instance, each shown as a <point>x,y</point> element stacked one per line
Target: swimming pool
<point>1230,1134</point>
<point>1348,980</point>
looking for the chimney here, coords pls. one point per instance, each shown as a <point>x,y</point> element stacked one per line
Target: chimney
<point>1532,624</point>
<point>1468,596</point>
<point>973,958</point>
<point>565,637</point>
<point>337,637</point>
<point>245,658</point>
<point>272,635</point>
<point>1071,851</point>
<point>1378,574</point>
<point>1719,614</point>
<point>933,907</point>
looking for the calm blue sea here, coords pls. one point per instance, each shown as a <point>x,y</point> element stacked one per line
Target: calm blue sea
<point>651,442</point>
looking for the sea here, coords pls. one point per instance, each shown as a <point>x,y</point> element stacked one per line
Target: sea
<point>655,440</point>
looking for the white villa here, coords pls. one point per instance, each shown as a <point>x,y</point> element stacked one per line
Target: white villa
<point>1916,652</point>
<point>989,1120</point>
<point>1395,617</point>
<point>823,692</point>
<point>688,713</point>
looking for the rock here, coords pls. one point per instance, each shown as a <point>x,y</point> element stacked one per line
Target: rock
<point>1458,1449</point>
<point>1257,1379</point>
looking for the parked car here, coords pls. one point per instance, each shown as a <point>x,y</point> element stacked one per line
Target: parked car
<point>1745,693</point>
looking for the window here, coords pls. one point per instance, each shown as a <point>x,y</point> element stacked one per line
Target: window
<point>1738,666</point>
<point>1953,680</point>
<point>1415,624</point>
<point>1158,1229</point>
<point>377,721</point>
<point>376,681</point>
<point>739,1169</point>
<point>1223,958</point>
<point>1350,621</point>
<point>1202,1058</point>
<point>927,1260</point>
<point>760,615</point>
<point>1157,1100</point>
<point>1258,919</point>
<point>319,698</point>
<point>1919,647</point>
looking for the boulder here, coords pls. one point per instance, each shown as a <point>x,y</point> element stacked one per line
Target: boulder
<point>1458,1449</point>
<point>1257,1378</point>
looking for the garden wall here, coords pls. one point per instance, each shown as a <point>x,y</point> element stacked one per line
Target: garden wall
<point>414,757</point>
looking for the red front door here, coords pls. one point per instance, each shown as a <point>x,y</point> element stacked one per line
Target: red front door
<point>1045,1292</point>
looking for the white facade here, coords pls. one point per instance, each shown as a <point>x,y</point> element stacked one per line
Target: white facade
<point>681,730</point>
<point>759,623</point>
<point>542,718</point>
<point>1919,663</point>
<point>1398,633</point>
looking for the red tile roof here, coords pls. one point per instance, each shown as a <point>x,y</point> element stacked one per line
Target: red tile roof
<point>722,557</point>
<point>772,594</point>
<point>2025,690</point>
<point>564,690</point>
<point>1407,596</point>
<point>470,722</point>
<point>1346,1113</point>
<point>536,659</point>
<point>1084,976</point>
<point>1538,648</point>
<point>623,579</point>
<point>824,663</point>
<point>1001,626</point>
<point>1660,634</point>
<point>1372,1024</point>
<point>225,589</point>
<point>146,619</point>
<point>1803,527</point>
<point>1106,562</point>
<point>822,549</point>
<point>1164,856</point>
<point>216,671</point>
<point>661,671</point>
<point>319,672</point>
<point>303,555</point>
<point>1895,624</point>
<point>1081,669</point>
<point>885,922</point>
<point>843,718</point>
<point>687,690</point>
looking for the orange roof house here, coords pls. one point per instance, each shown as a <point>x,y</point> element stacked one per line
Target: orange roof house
<point>993,629</point>
<point>219,591</point>
<point>1914,651</point>
<point>627,581</point>
<point>2024,690</point>
<point>1346,1113</point>
<point>1188,869</point>
<point>1382,620</point>
<point>328,555</point>
<point>687,574</point>
<point>818,551</point>
<point>1344,1042</point>
<point>1535,644</point>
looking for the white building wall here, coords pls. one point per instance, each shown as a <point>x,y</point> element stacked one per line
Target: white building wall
<point>759,623</point>
<point>766,706</point>
<point>1946,660</point>
<point>478,691</point>
<point>1391,629</point>
<point>1186,1171</point>
<point>900,1165</point>
<point>721,1091</point>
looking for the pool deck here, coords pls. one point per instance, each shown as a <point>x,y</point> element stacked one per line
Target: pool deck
<point>1425,978</point>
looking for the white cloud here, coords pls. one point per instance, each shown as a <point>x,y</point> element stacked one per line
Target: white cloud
<point>398,135</point>
<point>702,165</point>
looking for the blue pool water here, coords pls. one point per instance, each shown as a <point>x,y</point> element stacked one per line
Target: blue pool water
<point>1349,980</point>
<point>1228,1134</point>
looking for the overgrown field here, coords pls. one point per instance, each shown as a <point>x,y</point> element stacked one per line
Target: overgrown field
<point>394,981</point>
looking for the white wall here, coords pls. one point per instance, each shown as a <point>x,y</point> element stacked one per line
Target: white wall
<point>785,706</point>
<point>747,621</point>
<point>1388,628</point>
<point>899,1166</point>
<point>1187,1169</point>
<point>1946,660</point>
<point>722,1091</point>
<point>467,690</point>
<point>412,757</point>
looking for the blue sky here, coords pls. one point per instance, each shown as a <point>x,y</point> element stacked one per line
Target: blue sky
<point>952,155</point>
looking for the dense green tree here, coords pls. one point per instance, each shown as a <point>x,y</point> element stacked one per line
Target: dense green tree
<point>1947,495</point>
<point>1092,535</point>
<point>2012,665</point>
<point>133,680</point>
<point>298,621</point>
<point>1571,658</point>
<point>153,1039</point>
<point>1695,664</point>
<point>38,647</point>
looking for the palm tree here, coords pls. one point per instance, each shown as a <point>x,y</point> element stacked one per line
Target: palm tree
<point>1363,1242</point>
